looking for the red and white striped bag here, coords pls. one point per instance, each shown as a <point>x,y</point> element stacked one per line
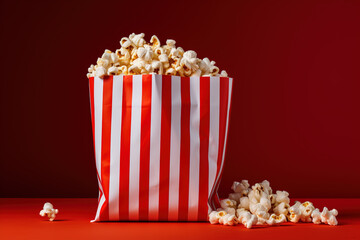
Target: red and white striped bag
<point>159,145</point>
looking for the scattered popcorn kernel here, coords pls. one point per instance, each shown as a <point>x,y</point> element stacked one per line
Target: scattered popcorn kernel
<point>329,217</point>
<point>276,219</point>
<point>228,220</point>
<point>246,218</point>
<point>295,213</point>
<point>306,209</point>
<point>49,210</point>
<point>316,216</point>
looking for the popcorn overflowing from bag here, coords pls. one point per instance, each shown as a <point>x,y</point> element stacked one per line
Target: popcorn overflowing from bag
<point>136,56</point>
<point>258,205</point>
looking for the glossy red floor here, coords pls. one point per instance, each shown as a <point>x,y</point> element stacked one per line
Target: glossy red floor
<point>19,219</point>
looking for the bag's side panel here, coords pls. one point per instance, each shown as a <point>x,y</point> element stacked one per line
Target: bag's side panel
<point>116,118</point>
<point>92,112</point>
<point>145,147</point>
<point>97,129</point>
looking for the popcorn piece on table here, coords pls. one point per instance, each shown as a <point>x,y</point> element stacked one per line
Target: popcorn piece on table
<point>316,216</point>
<point>228,220</point>
<point>295,212</point>
<point>329,217</point>
<point>246,218</point>
<point>49,210</point>
<point>306,209</point>
<point>215,216</point>
<point>276,219</point>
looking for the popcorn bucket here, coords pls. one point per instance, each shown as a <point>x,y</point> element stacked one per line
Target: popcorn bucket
<point>159,145</point>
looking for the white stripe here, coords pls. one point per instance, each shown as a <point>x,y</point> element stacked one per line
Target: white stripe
<point>174,176</point>
<point>116,112</point>
<point>101,203</point>
<point>134,172</point>
<point>154,173</point>
<point>214,130</point>
<point>98,106</point>
<point>194,171</point>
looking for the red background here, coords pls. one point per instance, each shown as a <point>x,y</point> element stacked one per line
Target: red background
<point>295,111</point>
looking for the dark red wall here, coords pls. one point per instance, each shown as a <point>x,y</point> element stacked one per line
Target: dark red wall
<point>295,111</point>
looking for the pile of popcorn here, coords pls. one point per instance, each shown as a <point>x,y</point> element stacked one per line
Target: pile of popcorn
<point>136,56</point>
<point>258,205</point>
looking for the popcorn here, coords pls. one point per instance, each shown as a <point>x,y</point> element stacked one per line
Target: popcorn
<point>244,203</point>
<point>154,42</point>
<point>276,219</point>
<point>100,71</point>
<point>282,197</point>
<point>306,209</point>
<point>246,218</point>
<point>282,208</point>
<point>255,204</point>
<point>241,187</point>
<point>329,217</point>
<point>154,59</point>
<point>214,216</point>
<point>228,220</point>
<point>112,71</point>
<point>208,67</point>
<point>316,216</point>
<point>223,73</point>
<point>295,212</point>
<point>49,210</point>
<point>137,39</point>
<point>235,196</point>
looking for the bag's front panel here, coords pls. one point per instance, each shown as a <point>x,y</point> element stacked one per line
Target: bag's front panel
<point>159,144</point>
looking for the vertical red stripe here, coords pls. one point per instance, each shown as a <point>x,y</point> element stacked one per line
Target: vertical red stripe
<point>204,147</point>
<point>224,94</point>
<point>125,148</point>
<point>145,148</point>
<point>105,143</point>
<point>165,148</point>
<point>184,149</point>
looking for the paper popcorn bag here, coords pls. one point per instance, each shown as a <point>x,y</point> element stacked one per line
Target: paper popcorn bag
<point>159,145</point>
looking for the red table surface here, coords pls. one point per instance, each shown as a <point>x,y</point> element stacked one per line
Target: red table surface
<point>19,219</point>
